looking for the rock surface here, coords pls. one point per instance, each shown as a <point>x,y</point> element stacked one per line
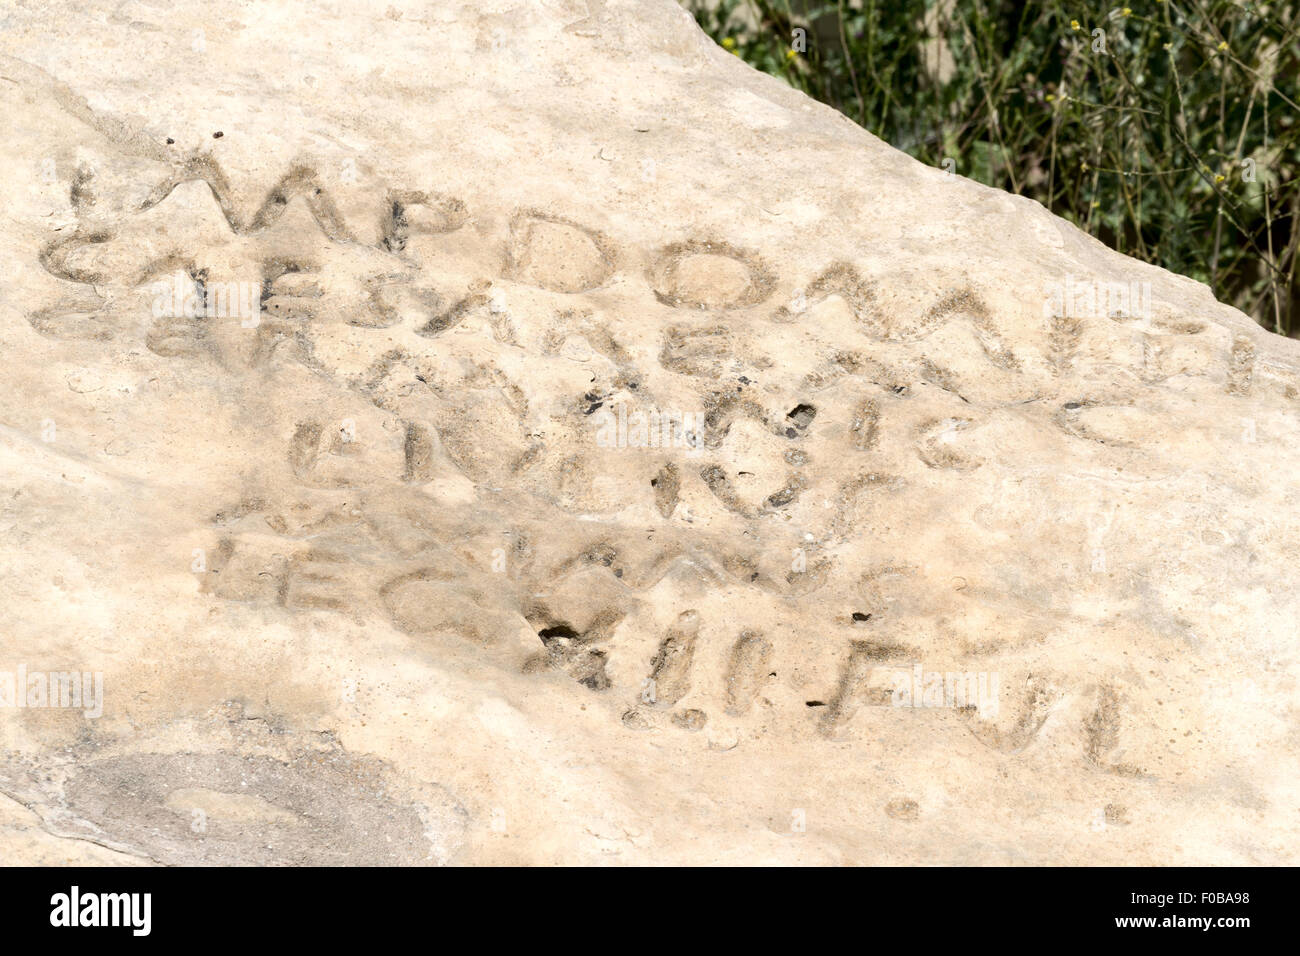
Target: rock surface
<point>381,559</point>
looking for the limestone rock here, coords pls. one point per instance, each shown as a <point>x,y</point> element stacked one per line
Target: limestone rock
<point>520,432</point>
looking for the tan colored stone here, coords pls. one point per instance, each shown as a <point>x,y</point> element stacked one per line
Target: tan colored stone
<point>588,360</point>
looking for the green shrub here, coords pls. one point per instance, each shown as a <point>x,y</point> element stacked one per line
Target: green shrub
<point>1170,131</point>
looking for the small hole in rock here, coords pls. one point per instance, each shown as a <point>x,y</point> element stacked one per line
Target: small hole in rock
<point>548,634</point>
<point>802,415</point>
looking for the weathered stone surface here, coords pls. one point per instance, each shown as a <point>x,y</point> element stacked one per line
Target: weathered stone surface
<point>393,560</point>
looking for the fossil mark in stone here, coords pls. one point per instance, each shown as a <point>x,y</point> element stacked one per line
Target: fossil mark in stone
<point>300,181</point>
<point>385,296</point>
<point>327,457</point>
<point>1065,333</point>
<point>1159,325</point>
<point>573,652</point>
<point>670,671</point>
<point>667,485</point>
<point>694,350</point>
<point>411,212</point>
<point>849,494</point>
<point>558,254</point>
<point>842,280</point>
<point>811,578</point>
<point>1241,366</point>
<point>453,316</point>
<point>1119,422</point>
<point>717,481</point>
<point>436,600</point>
<point>852,688</point>
<point>939,446</point>
<point>56,257</point>
<point>700,274</point>
<point>964,302</point>
<point>1152,371</point>
<point>244,575</point>
<point>691,719</point>
<point>1028,712</point>
<point>317,578</point>
<point>903,809</point>
<point>81,193</point>
<point>1101,733</point>
<point>74,318</point>
<point>721,409</point>
<point>878,587</point>
<point>864,429</point>
<point>131,241</point>
<point>747,668</point>
<point>943,378</point>
<point>418,452</point>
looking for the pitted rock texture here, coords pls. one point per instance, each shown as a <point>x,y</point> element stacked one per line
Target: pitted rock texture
<point>611,427</point>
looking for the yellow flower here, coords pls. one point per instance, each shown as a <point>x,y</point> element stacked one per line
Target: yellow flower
<point>1169,46</point>
<point>1051,97</point>
<point>1220,178</point>
<point>729,43</point>
<point>790,54</point>
<point>1074,24</point>
<point>1223,44</point>
<point>1085,167</point>
<point>1096,203</point>
<point>1126,12</point>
